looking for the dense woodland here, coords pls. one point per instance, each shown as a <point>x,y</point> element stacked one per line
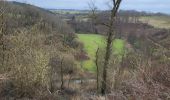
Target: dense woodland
<point>41,57</point>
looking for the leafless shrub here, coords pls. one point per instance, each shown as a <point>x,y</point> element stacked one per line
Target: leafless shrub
<point>28,66</point>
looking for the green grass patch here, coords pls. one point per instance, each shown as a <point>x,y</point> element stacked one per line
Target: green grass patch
<point>92,42</point>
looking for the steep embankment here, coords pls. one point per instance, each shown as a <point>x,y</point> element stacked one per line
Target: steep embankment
<point>35,45</point>
<point>160,33</point>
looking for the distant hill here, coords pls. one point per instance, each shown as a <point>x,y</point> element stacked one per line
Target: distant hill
<point>26,15</point>
<point>141,13</point>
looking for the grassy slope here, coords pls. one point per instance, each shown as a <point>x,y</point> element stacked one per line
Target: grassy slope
<point>92,42</point>
<point>157,21</point>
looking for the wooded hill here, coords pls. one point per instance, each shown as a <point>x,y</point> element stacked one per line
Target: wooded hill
<point>34,45</point>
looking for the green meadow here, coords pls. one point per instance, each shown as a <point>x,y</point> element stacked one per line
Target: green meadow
<point>92,42</point>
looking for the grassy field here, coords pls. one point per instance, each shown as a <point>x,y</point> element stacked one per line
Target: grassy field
<point>157,21</point>
<point>92,42</point>
<point>64,11</point>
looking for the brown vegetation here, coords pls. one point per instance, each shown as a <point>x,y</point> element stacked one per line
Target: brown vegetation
<point>39,55</point>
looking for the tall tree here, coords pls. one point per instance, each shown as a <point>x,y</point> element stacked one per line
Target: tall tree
<point>93,15</point>
<point>110,37</point>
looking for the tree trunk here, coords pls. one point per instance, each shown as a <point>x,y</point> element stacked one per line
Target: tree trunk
<point>114,10</point>
<point>69,81</point>
<point>97,57</point>
<point>62,76</point>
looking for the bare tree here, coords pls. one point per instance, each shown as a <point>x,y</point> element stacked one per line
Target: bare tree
<point>111,32</point>
<point>93,15</point>
<point>97,66</point>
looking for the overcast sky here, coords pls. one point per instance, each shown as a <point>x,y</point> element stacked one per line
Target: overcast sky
<point>140,5</point>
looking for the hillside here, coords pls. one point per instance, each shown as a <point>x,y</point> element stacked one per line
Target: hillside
<point>161,24</point>
<point>34,44</point>
<point>25,15</point>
